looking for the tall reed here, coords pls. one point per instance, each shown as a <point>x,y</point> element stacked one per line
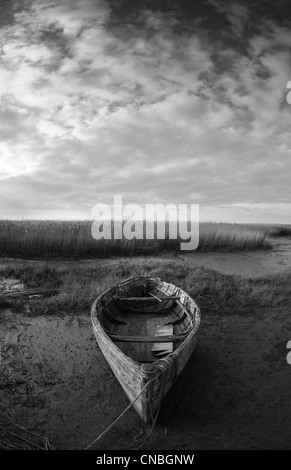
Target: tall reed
<point>73,239</point>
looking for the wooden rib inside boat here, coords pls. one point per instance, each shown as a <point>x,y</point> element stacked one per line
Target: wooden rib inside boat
<point>147,329</point>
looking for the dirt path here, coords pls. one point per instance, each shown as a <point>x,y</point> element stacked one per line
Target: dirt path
<point>234,393</point>
<point>246,264</point>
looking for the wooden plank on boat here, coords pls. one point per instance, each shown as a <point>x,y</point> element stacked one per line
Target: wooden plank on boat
<point>146,339</point>
<point>159,348</point>
<point>134,299</point>
<point>178,320</point>
<point>28,292</point>
<point>159,311</point>
<point>155,297</point>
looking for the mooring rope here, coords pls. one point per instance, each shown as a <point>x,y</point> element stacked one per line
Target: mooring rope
<point>120,416</point>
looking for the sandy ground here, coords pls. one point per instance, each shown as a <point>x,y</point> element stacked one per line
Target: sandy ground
<point>246,264</point>
<point>233,394</point>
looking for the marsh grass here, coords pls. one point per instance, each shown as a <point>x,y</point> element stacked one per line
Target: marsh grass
<point>271,230</point>
<point>79,285</point>
<point>73,239</point>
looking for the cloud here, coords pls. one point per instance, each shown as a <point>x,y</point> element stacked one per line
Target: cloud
<point>236,13</point>
<point>150,105</point>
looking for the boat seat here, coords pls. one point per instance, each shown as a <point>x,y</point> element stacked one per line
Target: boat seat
<point>164,311</point>
<point>146,299</point>
<point>146,339</point>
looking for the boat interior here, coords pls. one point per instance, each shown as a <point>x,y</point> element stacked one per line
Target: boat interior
<point>146,320</point>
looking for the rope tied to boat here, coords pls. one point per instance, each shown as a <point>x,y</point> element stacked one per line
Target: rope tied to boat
<point>120,416</point>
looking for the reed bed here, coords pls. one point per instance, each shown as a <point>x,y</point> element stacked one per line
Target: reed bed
<point>73,239</point>
<point>272,231</point>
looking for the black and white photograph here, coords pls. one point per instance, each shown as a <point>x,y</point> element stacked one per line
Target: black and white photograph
<point>145,227</point>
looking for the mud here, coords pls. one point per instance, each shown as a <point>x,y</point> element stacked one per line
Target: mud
<point>233,394</point>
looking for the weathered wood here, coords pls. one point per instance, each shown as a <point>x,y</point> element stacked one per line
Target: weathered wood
<point>134,364</point>
<point>27,292</point>
<point>114,318</point>
<point>155,297</point>
<point>162,311</point>
<point>143,299</point>
<point>146,339</point>
<point>178,321</point>
<point>161,348</point>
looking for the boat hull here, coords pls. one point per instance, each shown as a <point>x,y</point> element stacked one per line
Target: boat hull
<point>146,384</point>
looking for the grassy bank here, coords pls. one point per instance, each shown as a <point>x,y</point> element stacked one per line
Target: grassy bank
<point>272,231</point>
<point>73,239</point>
<point>79,284</point>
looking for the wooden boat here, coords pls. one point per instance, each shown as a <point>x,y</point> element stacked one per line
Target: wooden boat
<point>147,330</point>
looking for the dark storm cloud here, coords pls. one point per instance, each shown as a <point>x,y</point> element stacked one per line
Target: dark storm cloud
<point>7,11</point>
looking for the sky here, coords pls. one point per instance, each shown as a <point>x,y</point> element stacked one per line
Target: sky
<point>157,101</point>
